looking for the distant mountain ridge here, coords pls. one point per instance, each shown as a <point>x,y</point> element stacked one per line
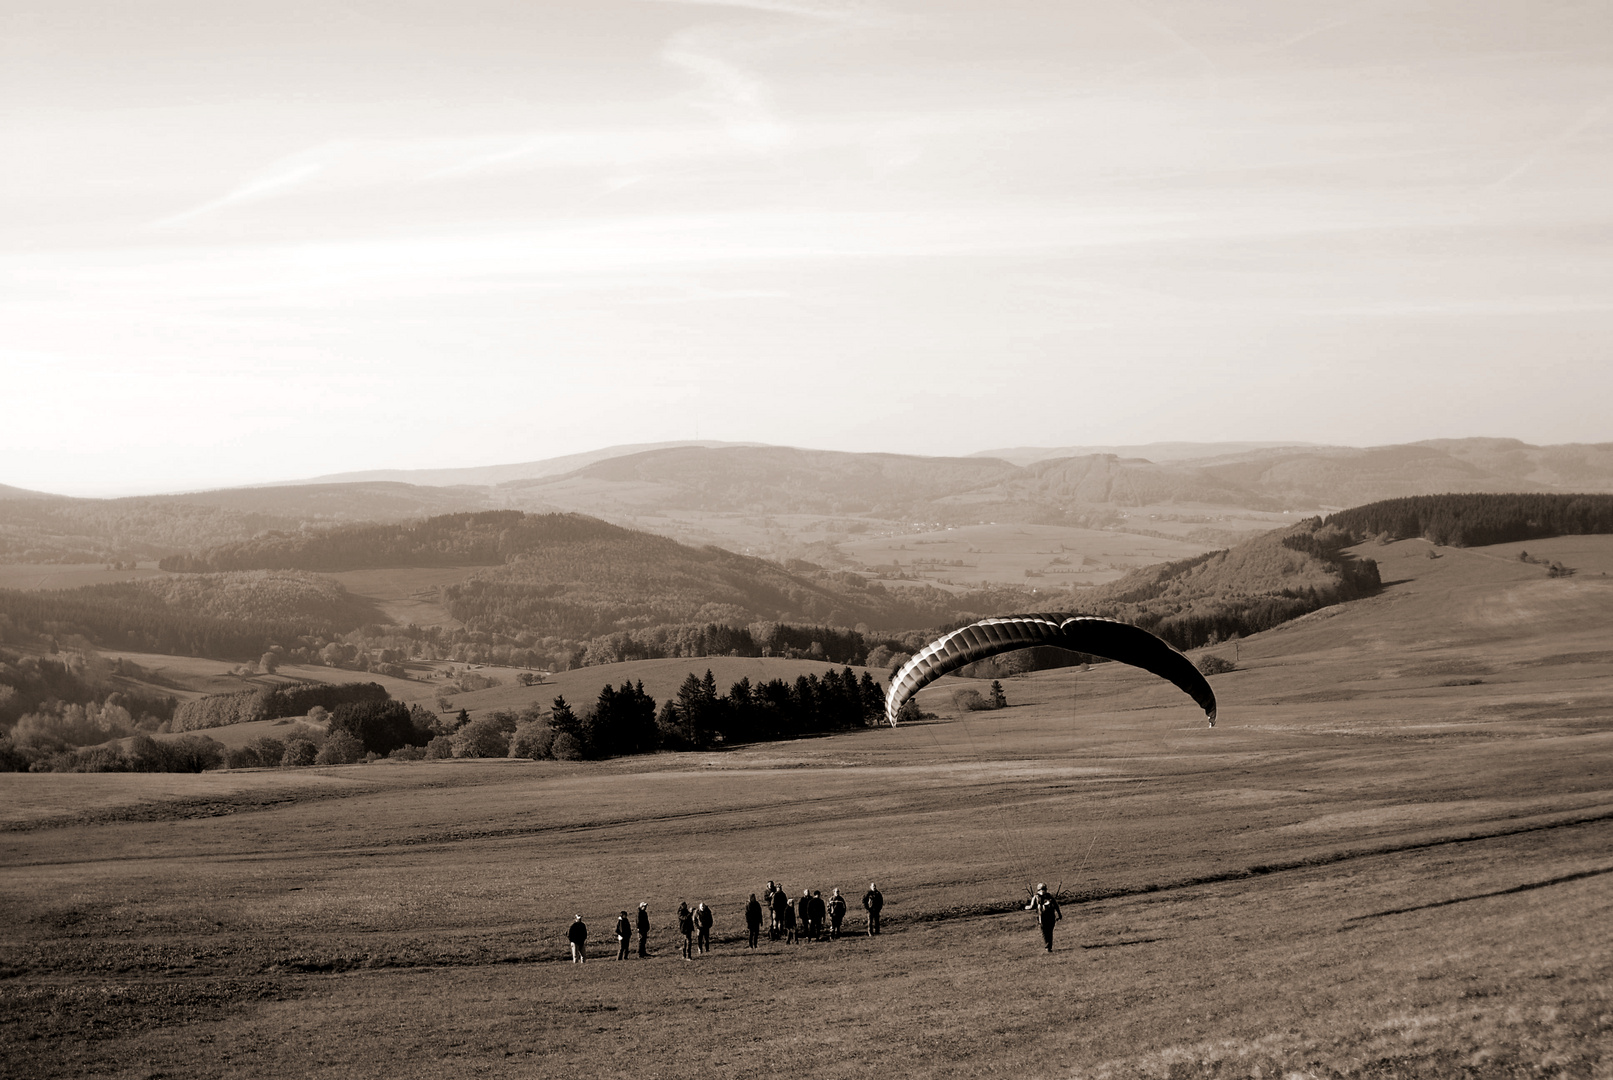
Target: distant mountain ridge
<point>1157,451</point>
<point>650,488</point>
<point>491,475</point>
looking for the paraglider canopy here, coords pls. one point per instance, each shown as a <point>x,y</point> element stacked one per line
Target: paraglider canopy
<point>1078,633</point>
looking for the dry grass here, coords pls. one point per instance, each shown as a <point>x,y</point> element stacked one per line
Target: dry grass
<point>1064,557</point>
<point>1360,872</point>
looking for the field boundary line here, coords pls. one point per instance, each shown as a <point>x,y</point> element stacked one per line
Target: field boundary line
<point>1527,887</point>
<point>1262,869</point>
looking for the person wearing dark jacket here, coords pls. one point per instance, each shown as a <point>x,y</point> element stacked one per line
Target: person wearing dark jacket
<point>578,936</point>
<point>624,934</point>
<point>781,911</point>
<point>643,927</point>
<point>686,928</point>
<point>753,919</point>
<point>820,912</point>
<point>1046,906</point>
<point>873,901</point>
<point>702,922</point>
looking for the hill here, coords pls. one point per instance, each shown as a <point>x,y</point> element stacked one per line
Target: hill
<point>55,529</point>
<point>576,577</point>
<point>771,479</point>
<point>1347,476</point>
<point>487,475</point>
<point>235,615</point>
<point>783,480</point>
<point>783,502</point>
<point>1243,590</point>
<point>1157,451</point>
<point>1465,520</point>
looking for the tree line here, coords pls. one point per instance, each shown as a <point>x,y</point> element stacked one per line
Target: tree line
<point>130,615</point>
<point>29,683</point>
<point>1476,520</point>
<point>368,725</point>
<point>271,703</point>
<point>624,720</point>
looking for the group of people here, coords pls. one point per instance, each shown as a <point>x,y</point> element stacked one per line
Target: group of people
<point>810,917</point>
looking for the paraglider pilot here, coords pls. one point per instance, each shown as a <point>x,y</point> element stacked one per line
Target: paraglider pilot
<point>1046,906</point>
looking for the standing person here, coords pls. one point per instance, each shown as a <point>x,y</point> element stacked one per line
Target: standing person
<point>643,927</point>
<point>873,901</point>
<point>819,911</point>
<point>702,922</point>
<point>803,916</point>
<point>753,919</point>
<point>767,906</point>
<point>792,933</point>
<point>624,934</point>
<point>1046,906</point>
<point>781,911</point>
<point>578,936</point>
<point>686,928</point>
<point>837,914</point>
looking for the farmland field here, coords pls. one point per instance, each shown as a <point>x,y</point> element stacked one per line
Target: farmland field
<point>1057,557</point>
<point>405,595</point>
<point>1392,857</point>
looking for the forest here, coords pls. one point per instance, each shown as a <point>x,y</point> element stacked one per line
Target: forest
<point>359,722</point>
<point>1476,520</point>
<point>487,538</point>
<point>230,616</point>
<point>270,703</point>
<point>29,682</point>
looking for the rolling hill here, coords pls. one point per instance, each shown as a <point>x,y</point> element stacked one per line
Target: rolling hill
<point>781,502</point>
<point>572,576</point>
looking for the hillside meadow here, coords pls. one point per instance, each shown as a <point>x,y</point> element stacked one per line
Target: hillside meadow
<point>1391,857</point>
<point>1060,557</point>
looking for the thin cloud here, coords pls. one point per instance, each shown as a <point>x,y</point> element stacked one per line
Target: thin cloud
<point>740,100</point>
<point>289,176</point>
<point>1146,15</point>
<point>829,12</point>
<point>735,94</point>
<point>1555,143</point>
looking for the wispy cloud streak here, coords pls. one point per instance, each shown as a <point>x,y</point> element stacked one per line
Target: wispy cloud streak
<point>1555,143</point>
<point>275,182</point>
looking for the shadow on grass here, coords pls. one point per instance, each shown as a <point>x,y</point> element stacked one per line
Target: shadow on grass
<point>1118,944</point>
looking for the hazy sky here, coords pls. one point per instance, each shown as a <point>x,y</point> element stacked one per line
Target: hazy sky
<point>244,240</point>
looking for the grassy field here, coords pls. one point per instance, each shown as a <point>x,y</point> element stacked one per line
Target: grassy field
<point>406,594</point>
<point>1051,557</point>
<point>1392,857</point>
